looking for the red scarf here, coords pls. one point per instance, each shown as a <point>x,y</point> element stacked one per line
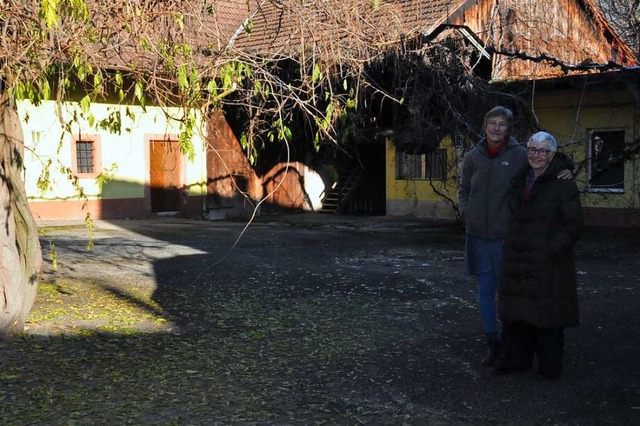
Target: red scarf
<point>493,151</point>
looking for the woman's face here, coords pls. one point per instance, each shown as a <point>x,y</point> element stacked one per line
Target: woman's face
<point>496,130</point>
<point>539,156</point>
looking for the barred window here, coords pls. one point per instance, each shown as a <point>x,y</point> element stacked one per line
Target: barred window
<point>422,166</point>
<point>85,157</point>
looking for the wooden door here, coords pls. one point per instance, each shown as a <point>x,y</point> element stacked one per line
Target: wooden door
<point>165,172</point>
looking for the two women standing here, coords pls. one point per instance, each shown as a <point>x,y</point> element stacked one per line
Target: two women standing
<point>497,197</point>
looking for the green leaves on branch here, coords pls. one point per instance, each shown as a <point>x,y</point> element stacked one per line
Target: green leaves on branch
<point>50,11</point>
<point>85,107</point>
<point>257,87</point>
<point>75,182</point>
<point>35,91</point>
<point>53,256</point>
<point>98,83</point>
<point>82,67</point>
<point>185,140</point>
<point>340,110</point>
<point>250,149</point>
<point>44,179</point>
<point>88,224</point>
<point>317,74</point>
<point>190,85</point>
<point>85,104</point>
<point>138,92</point>
<point>325,122</point>
<point>78,9</point>
<point>230,77</point>
<point>183,78</point>
<point>119,83</point>
<point>112,124</point>
<point>107,175</point>
<point>279,132</point>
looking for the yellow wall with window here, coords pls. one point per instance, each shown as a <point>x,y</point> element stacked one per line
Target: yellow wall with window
<point>574,113</point>
<point>421,197</point>
<point>574,116</point>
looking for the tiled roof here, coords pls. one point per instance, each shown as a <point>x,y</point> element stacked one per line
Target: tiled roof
<point>277,25</point>
<point>226,17</point>
<point>207,28</point>
<point>351,29</point>
<point>214,25</point>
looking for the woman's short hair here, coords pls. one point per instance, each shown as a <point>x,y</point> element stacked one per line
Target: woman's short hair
<point>499,111</point>
<point>544,137</point>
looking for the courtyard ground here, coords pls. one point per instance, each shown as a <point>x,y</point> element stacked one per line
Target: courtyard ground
<point>301,319</point>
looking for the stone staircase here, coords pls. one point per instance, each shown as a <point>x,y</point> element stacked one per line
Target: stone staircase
<point>342,191</point>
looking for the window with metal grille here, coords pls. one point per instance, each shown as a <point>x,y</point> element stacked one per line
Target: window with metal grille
<point>85,154</point>
<point>606,161</point>
<point>422,166</point>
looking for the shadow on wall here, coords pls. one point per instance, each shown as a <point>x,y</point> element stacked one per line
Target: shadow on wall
<point>287,186</point>
<point>233,196</point>
<point>123,200</point>
<point>294,186</point>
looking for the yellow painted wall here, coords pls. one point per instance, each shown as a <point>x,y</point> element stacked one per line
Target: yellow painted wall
<point>128,151</point>
<point>569,114</point>
<point>420,197</point>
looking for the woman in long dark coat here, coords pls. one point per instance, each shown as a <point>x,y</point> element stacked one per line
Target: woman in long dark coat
<point>538,294</point>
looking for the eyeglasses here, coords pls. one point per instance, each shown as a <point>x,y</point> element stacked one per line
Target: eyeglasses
<point>542,151</point>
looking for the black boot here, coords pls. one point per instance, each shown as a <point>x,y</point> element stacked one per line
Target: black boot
<point>492,354</point>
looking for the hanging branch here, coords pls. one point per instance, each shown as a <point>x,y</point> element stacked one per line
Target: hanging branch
<point>584,66</point>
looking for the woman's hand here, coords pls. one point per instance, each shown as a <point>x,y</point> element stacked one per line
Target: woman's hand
<point>565,174</point>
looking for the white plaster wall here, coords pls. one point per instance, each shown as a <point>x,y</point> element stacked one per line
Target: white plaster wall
<point>127,150</point>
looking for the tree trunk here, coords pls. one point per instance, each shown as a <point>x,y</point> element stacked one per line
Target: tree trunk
<point>20,252</point>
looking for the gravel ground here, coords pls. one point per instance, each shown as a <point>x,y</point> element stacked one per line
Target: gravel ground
<point>311,319</point>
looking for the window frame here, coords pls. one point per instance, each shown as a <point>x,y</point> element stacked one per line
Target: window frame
<point>425,162</point>
<point>97,155</point>
<point>590,162</point>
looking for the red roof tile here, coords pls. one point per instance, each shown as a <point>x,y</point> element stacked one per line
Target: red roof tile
<point>279,25</point>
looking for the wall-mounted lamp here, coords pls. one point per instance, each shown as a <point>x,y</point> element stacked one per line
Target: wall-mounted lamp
<point>35,137</point>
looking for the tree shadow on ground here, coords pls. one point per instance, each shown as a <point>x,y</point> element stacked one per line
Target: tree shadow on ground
<point>339,323</point>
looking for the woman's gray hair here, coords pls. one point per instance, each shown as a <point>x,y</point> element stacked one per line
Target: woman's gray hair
<point>544,137</point>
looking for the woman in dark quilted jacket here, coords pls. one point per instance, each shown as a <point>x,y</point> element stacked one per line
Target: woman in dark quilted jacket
<point>538,294</point>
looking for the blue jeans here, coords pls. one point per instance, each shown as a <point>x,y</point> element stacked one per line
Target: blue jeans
<point>484,260</point>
